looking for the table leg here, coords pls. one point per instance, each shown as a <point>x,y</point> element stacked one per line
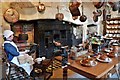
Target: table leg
<point>65,73</point>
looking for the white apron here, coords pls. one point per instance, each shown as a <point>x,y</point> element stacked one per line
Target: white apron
<point>26,66</point>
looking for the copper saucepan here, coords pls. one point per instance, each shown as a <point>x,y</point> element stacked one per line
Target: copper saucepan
<point>98,3</point>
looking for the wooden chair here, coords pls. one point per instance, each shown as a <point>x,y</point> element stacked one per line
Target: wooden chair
<point>13,71</point>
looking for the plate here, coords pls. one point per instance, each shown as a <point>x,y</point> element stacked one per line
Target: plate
<point>94,63</point>
<point>107,50</point>
<point>106,61</point>
<point>112,55</point>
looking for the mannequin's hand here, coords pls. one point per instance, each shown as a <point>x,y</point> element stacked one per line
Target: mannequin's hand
<point>26,51</point>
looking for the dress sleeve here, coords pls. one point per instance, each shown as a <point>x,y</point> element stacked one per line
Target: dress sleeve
<point>11,49</point>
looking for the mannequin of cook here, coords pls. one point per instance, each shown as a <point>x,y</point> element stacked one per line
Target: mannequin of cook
<point>13,53</point>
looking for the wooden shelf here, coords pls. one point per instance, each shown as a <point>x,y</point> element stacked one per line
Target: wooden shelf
<point>113,28</point>
<point>113,23</point>
<point>114,19</point>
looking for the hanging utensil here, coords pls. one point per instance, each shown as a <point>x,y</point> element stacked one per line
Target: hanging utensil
<point>95,18</point>
<point>74,10</point>
<point>97,12</point>
<point>41,7</point>
<point>98,3</point>
<point>83,18</point>
<point>114,4</point>
<point>59,15</point>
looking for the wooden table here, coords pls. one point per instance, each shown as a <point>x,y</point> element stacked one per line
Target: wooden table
<point>97,72</point>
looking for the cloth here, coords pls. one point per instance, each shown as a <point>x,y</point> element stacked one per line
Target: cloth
<point>13,53</point>
<point>26,66</point>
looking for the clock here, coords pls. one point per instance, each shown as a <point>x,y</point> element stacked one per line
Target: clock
<point>11,15</point>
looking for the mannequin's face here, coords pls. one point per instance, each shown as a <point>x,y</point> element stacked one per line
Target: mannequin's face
<point>11,37</point>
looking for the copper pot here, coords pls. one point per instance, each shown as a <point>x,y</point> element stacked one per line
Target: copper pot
<point>114,7</point>
<point>74,3</point>
<point>83,18</point>
<point>98,3</point>
<point>41,7</point>
<point>113,4</point>
<point>73,7</point>
<point>95,18</point>
<point>74,11</point>
<point>59,16</point>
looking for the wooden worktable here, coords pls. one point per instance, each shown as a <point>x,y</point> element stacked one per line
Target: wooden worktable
<point>98,71</point>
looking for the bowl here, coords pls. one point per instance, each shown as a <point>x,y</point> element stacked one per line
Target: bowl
<point>38,60</point>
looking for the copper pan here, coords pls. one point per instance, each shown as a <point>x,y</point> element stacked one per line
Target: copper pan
<point>83,18</point>
<point>73,7</point>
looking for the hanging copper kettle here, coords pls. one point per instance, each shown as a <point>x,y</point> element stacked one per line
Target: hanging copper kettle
<point>59,16</point>
<point>41,7</point>
<point>83,18</point>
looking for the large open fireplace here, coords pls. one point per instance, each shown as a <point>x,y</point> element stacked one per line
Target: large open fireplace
<point>43,32</point>
<point>48,30</point>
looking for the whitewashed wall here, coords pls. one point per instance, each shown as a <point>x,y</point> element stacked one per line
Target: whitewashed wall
<point>51,11</point>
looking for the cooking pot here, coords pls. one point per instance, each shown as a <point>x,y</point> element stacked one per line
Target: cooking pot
<point>59,16</point>
<point>98,3</point>
<point>83,18</point>
<point>114,7</point>
<point>73,7</point>
<point>98,13</point>
<point>113,4</point>
<point>41,7</point>
<point>74,4</point>
<point>74,11</point>
<point>95,18</point>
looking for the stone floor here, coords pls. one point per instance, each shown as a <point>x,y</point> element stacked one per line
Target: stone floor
<point>58,73</point>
